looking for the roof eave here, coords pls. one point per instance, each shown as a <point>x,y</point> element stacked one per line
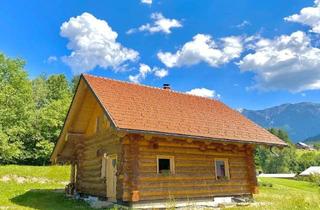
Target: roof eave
<point>224,140</point>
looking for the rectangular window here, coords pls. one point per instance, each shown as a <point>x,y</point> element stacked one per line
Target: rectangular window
<point>165,164</point>
<point>222,169</point>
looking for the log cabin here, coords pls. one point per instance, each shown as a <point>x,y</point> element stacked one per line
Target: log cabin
<point>132,143</point>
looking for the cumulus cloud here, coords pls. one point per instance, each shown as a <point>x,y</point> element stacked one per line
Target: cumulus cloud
<point>159,72</point>
<point>146,2</point>
<point>160,24</point>
<point>144,70</point>
<point>309,16</point>
<point>204,92</point>
<point>93,43</point>
<point>203,49</point>
<point>287,62</point>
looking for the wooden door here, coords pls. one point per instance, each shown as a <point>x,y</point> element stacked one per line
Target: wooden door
<point>111,177</point>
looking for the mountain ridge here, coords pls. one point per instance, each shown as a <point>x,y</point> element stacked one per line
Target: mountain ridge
<point>300,120</point>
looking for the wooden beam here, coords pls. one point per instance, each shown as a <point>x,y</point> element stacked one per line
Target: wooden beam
<point>134,151</point>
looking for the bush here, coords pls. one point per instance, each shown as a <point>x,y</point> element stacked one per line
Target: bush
<point>315,178</point>
<point>265,184</point>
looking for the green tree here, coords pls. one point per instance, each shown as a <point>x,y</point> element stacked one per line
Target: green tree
<point>15,104</point>
<point>275,160</point>
<point>32,112</point>
<point>48,116</point>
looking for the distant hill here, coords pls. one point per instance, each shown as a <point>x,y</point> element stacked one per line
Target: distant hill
<point>313,140</point>
<point>300,120</point>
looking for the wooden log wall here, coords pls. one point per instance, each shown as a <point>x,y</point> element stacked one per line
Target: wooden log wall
<point>89,154</point>
<point>89,180</point>
<point>194,169</point>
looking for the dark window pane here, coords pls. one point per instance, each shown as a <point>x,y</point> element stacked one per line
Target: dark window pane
<point>164,165</point>
<point>220,169</point>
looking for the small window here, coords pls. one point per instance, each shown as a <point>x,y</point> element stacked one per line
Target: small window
<point>165,165</point>
<point>222,169</point>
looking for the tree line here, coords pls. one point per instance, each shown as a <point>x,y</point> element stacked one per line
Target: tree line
<point>32,113</point>
<point>286,160</point>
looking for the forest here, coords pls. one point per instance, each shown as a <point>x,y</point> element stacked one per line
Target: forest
<point>32,113</point>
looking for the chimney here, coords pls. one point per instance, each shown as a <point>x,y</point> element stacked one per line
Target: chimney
<point>166,87</point>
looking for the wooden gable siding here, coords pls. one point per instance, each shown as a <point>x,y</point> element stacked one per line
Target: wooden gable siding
<point>194,170</point>
<point>89,180</point>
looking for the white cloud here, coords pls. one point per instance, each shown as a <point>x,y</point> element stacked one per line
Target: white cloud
<point>158,72</point>
<point>309,16</point>
<point>52,59</point>
<point>288,62</point>
<point>204,92</point>
<point>243,24</point>
<point>93,43</point>
<point>146,2</point>
<point>203,49</point>
<point>160,24</point>
<point>144,70</point>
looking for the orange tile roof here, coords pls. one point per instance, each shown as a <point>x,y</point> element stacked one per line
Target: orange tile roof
<point>142,108</point>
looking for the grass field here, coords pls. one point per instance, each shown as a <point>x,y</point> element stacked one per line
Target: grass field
<point>32,187</point>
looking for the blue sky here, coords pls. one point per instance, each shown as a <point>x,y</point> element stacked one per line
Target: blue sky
<point>248,54</point>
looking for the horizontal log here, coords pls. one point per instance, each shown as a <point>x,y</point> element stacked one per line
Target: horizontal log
<point>92,151</point>
<point>185,151</point>
<point>91,191</point>
<point>92,185</point>
<point>189,192</point>
<point>182,184</point>
<point>108,139</point>
<point>168,198</point>
<point>88,173</point>
<point>144,177</point>
<point>93,179</point>
<point>91,162</point>
<point>194,144</point>
<point>95,167</point>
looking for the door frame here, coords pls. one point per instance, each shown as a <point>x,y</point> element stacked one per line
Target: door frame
<point>111,196</point>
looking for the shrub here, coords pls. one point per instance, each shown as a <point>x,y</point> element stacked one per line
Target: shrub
<point>315,178</point>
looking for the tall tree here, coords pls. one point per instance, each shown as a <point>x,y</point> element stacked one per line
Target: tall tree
<point>32,112</point>
<point>15,104</point>
<point>277,160</point>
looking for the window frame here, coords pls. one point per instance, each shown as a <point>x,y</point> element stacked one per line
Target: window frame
<point>171,161</point>
<point>227,169</point>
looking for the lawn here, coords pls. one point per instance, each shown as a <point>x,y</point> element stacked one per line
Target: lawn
<point>34,187</point>
<point>285,194</point>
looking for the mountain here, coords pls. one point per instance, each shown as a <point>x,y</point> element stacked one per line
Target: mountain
<point>313,140</point>
<point>300,120</point>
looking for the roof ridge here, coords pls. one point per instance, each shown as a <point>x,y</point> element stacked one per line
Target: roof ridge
<point>149,86</point>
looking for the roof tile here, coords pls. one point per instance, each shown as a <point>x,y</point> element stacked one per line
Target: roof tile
<point>150,109</point>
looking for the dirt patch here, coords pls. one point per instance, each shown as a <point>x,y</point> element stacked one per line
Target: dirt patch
<point>22,179</point>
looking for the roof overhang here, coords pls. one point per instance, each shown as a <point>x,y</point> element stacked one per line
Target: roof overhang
<point>176,135</point>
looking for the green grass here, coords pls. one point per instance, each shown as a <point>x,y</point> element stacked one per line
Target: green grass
<point>30,194</point>
<point>35,195</point>
<point>286,194</point>
<point>300,152</point>
<point>55,173</point>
